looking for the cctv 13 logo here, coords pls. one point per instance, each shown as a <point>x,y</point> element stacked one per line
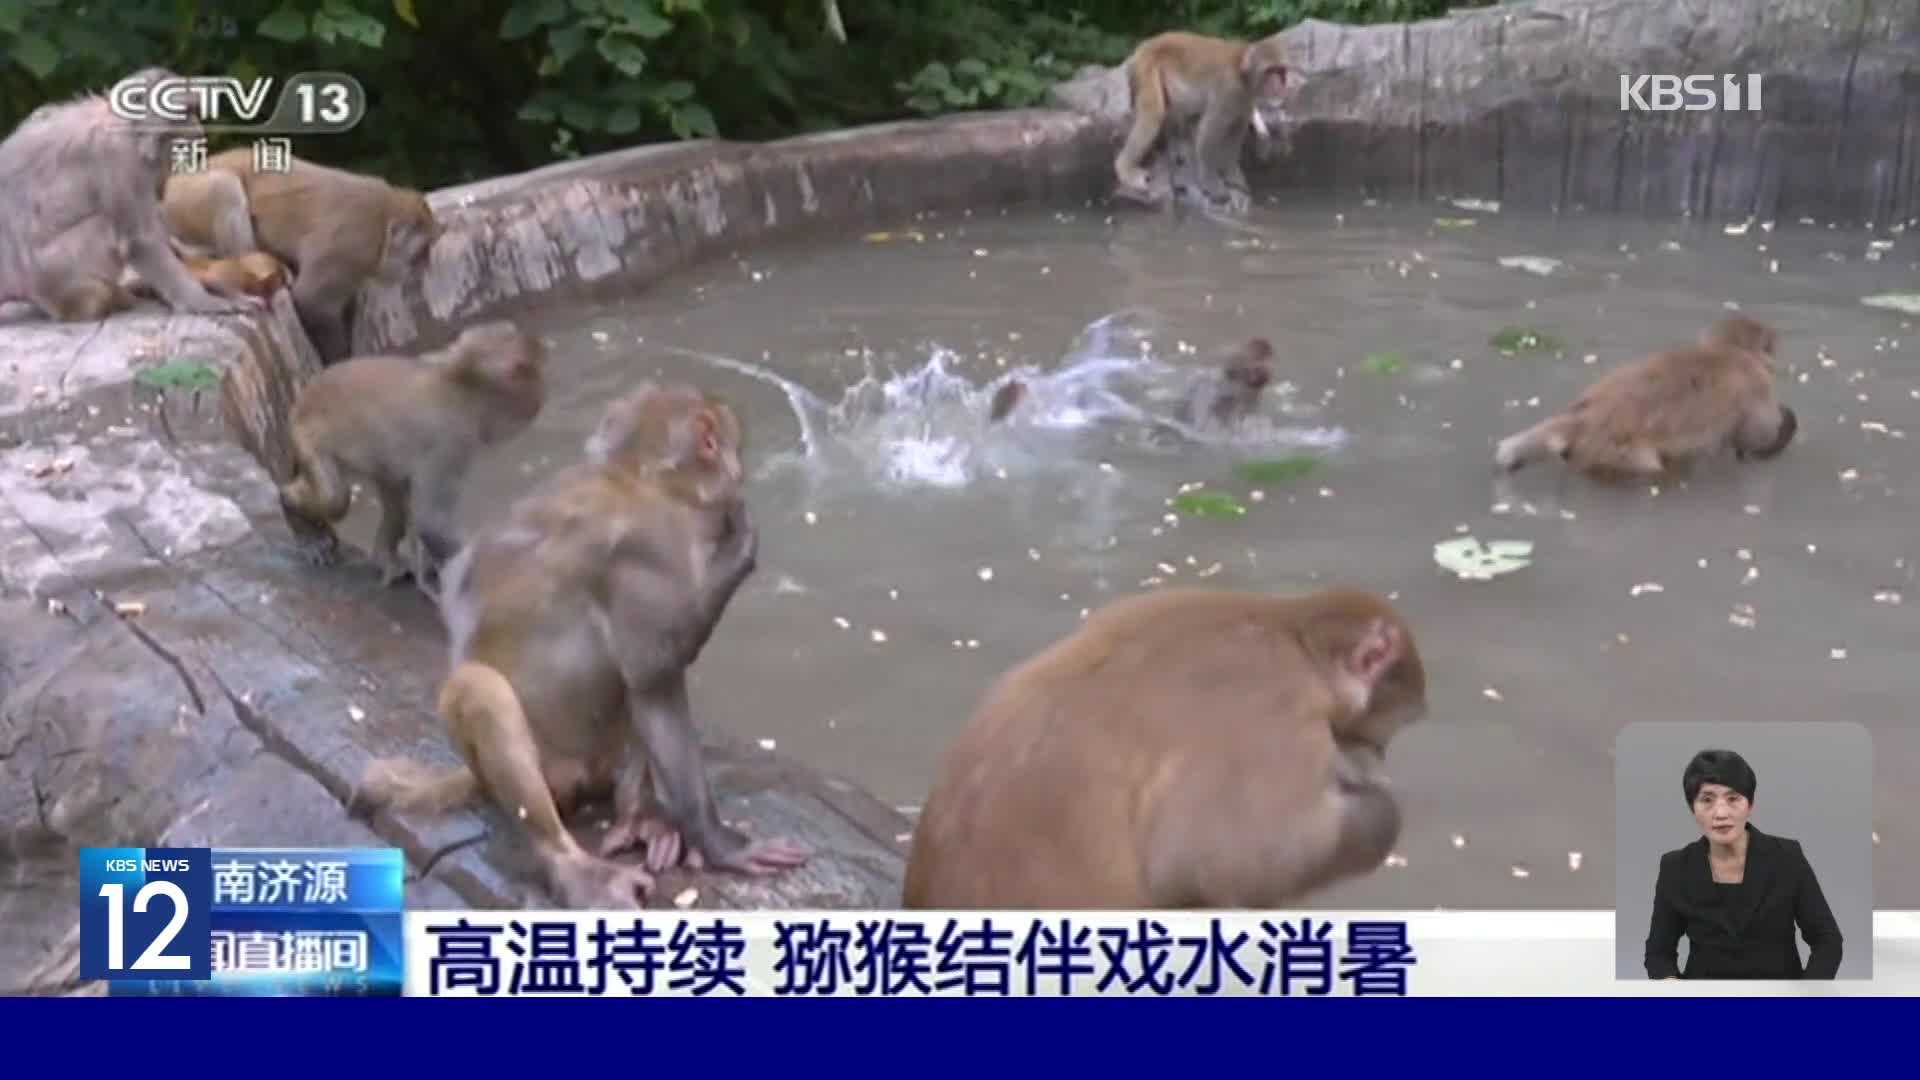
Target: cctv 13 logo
<point>146,913</point>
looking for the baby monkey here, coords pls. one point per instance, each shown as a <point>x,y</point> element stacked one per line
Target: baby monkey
<point>1184,748</point>
<point>1663,412</point>
<point>1233,393</point>
<point>411,427</point>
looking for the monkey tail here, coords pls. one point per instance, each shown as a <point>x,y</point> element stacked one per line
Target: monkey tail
<point>408,785</point>
<point>327,494</point>
<point>1548,438</point>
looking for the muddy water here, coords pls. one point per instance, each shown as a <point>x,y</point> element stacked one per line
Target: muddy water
<point>909,556</point>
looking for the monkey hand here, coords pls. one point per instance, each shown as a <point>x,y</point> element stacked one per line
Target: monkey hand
<point>590,883</point>
<point>739,552</point>
<point>657,836</point>
<point>735,851</point>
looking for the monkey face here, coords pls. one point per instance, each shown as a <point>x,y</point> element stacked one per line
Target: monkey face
<point>1721,812</point>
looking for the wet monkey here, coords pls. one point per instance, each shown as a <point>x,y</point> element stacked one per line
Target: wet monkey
<point>1665,411</point>
<point>1183,748</point>
<point>79,203</point>
<point>572,625</point>
<point>1179,79</point>
<point>1232,393</point>
<point>411,427</point>
<point>336,229</point>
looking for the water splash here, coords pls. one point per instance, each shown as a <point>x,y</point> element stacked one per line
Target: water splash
<point>928,427</point>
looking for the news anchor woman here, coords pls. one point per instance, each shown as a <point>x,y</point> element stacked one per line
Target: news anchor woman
<point>1737,894</point>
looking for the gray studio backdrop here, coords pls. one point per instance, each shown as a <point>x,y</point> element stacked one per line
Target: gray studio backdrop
<point>1814,784</point>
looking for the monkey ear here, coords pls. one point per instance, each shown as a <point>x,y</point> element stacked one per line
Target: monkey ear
<point>1380,647</point>
<point>706,435</point>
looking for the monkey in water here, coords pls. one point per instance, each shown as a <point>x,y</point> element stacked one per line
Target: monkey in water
<point>1233,392</point>
<point>78,203</point>
<point>572,625</point>
<point>411,427</point>
<point>1178,79</point>
<point>1184,748</point>
<point>1663,412</point>
<point>336,229</point>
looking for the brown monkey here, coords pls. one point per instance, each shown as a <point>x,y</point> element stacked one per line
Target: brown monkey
<point>1181,78</point>
<point>1664,411</point>
<point>1004,400</point>
<point>336,229</point>
<point>411,427</point>
<point>254,274</point>
<point>1185,748</point>
<point>79,202</point>
<point>1232,393</point>
<point>572,624</point>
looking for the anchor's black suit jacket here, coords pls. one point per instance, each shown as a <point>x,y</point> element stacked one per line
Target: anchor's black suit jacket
<point>1751,935</point>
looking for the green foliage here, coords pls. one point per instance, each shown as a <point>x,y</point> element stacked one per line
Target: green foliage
<point>481,87</point>
<point>180,374</point>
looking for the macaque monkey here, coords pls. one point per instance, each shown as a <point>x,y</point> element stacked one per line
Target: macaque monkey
<point>79,202</point>
<point>254,274</point>
<point>1649,416</point>
<point>1177,79</point>
<point>1184,748</point>
<point>572,625</point>
<point>336,229</point>
<point>1005,399</point>
<point>411,427</point>
<point>1233,393</point>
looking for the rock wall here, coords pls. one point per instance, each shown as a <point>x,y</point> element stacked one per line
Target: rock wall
<point>1522,103</point>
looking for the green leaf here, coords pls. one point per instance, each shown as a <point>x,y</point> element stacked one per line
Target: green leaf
<point>626,57</point>
<point>580,116</point>
<point>525,16</point>
<point>623,120</point>
<point>36,54</point>
<point>534,113</point>
<point>1908,303</point>
<point>1471,560</point>
<point>1214,504</point>
<point>1456,222</point>
<point>12,18</point>
<point>1385,363</point>
<point>971,66</point>
<point>361,29</point>
<point>675,92</point>
<point>285,25</point>
<point>693,122</point>
<point>566,43</point>
<point>324,30</point>
<point>1513,339</point>
<point>1269,471</point>
<point>180,375</point>
<point>645,24</point>
<point>404,10</point>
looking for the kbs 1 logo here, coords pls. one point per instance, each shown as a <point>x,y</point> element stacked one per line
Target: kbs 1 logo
<point>311,103</point>
<point>1689,93</point>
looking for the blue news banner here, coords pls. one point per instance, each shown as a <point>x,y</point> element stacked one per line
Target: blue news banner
<point>333,922</point>
<point>244,921</point>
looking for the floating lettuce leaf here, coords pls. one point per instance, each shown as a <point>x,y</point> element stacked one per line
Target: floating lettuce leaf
<point>181,375</point>
<point>1456,222</point>
<point>1532,264</point>
<point>1471,560</point>
<point>1515,339</point>
<point>1265,471</point>
<point>1903,302</point>
<point>1385,363</point>
<point>1216,504</point>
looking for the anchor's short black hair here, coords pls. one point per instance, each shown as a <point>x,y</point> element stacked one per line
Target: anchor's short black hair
<point>1723,767</point>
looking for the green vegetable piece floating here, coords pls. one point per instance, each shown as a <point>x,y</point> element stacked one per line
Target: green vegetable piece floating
<point>1515,339</point>
<point>1276,470</point>
<point>1208,504</point>
<point>1471,560</point>
<point>181,375</point>
<point>1386,363</point>
<point>1456,222</point>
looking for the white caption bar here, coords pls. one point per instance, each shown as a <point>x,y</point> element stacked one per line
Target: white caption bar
<point>891,953</point>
